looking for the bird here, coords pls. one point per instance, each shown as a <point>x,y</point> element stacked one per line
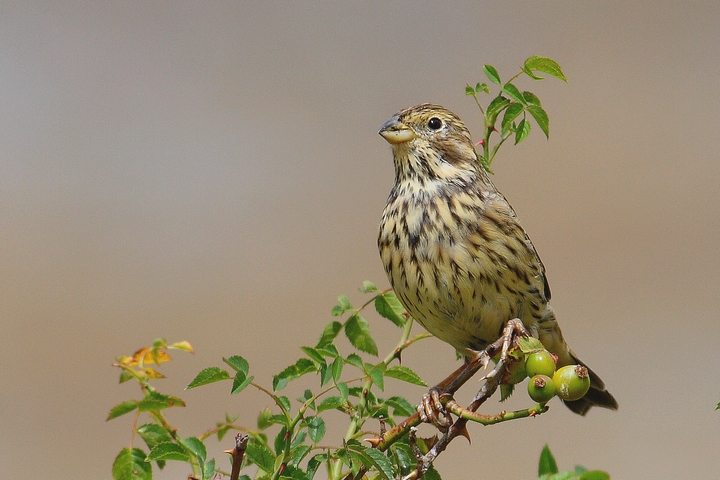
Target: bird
<point>454,250</point>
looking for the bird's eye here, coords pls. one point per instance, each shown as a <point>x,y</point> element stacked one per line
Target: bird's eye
<point>434,123</point>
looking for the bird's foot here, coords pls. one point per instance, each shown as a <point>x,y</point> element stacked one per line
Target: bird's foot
<point>432,410</point>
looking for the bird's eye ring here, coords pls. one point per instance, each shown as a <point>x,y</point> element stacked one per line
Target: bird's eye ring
<point>434,123</point>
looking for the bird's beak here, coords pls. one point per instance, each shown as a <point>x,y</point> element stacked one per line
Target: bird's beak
<point>394,131</point>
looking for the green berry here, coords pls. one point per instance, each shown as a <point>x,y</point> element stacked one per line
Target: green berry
<point>541,388</point>
<point>540,363</point>
<point>572,382</point>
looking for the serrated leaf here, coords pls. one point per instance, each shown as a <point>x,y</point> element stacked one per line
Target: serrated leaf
<point>547,464</point>
<point>529,345</point>
<point>405,374</point>
<point>545,65</point>
<point>330,403</point>
<point>522,131</point>
<point>492,74</point>
<point>314,463</point>
<point>401,407</point>
<point>240,382</point>
<point>511,113</point>
<point>330,331</point>
<point>316,428</point>
<point>300,368</point>
<point>375,458</point>
<point>157,401</point>
<point>494,108</point>
<point>377,375</point>
<point>313,354</point>
<point>238,363</point>
<point>506,391</point>
<point>325,374</point>
<point>432,474</point>
<point>209,469</point>
<point>261,456</point>
<point>337,368</point>
<point>541,118</point>
<point>343,389</point>
<point>531,98</point>
<point>153,434</point>
<point>344,304</point>
<point>168,451</point>
<point>130,464</point>
<point>511,91</point>
<point>264,419</point>
<point>355,360</point>
<point>357,331</point>
<point>299,453</point>
<point>284,402</point>
<point>279,442</point>
<point>122,408</point>
<point>208,376</point>
<point>368,287</point>
<point>388,306</point>
<point>196,446</point>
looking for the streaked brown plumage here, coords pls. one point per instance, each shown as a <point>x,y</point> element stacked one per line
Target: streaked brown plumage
<point>454,250</point>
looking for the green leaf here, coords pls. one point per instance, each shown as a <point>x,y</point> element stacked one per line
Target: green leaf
<point>401,407</point>
<point>284,402</point>
<point>343,389</point>
<point>209,468</point>
<point>264,419</point>
<point>316,428</point>
<point>523,130</point>
<point>298,440</point>
<point>261,456</point>
<point>368,287</point>
<point>301,367</point>
<point>492,74</point>
<point>482,87</point>
<point>547,462</point>
<point>337,368</point>
<point>541,118</point>
<point>157,401</point>
<point>314,463</point>
<point>511,113</point>
<point>405,374</point>
<point>511,91</point>
<point>313,354</point>
<point>329,333</point>
<point>238,363</point>
<point>530,345</point>
<point>377,375</point>
<point>373,458</point>
<point>497,105</point>
<point>388,306</point>
<point>208,376</point>
<point>531,98</point>
<point>325,374</point>
<point>125,376</point>
<point>240,382</point>
<point>152,434</point>
<point>330,403</point>
<point>594,475</point>
<point>168,451</point>
<point>299,453</point>
<point>279,443</point>
<point>343,306</point>
<point>130,464</point>
<point>545,65</point>
<point>469,90</point>
<point>506,391</point>
<point>355,360</point>
<point>122,408</point>
<point>432,474</point>
<point>357,331</point>
<point>196,446</point>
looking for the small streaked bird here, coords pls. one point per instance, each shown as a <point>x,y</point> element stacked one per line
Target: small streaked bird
<point>453,248</point>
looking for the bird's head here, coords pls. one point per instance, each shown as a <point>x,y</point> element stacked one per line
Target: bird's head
<point>431,143</point>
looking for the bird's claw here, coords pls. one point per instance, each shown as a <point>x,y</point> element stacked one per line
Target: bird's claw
<point>433,411</point>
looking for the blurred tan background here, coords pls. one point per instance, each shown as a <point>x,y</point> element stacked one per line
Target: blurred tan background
<point>212,173</point>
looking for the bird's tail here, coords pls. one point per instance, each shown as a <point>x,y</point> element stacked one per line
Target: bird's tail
<point>597,396</point>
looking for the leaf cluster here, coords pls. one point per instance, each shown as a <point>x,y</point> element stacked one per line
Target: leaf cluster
<point>514,106</point>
